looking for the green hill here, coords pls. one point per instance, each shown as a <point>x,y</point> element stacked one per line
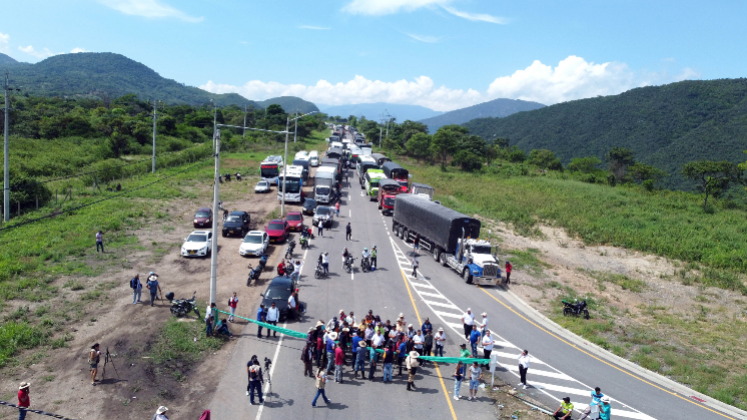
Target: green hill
<point>106,75</point>
<point>665,126</point>
<point>290,104</point>
<point>496,108</point>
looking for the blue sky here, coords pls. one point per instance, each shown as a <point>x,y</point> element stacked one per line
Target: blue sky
<point>443,54</point>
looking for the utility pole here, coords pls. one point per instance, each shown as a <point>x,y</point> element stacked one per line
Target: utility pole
<point>6,174</point>
<point>215,121</point>
<point>285,165</point>
<point>380,127</point>
<point>243,135</point>
<point>295,132</point>
<point>214,248</point>
<point>155,116</point>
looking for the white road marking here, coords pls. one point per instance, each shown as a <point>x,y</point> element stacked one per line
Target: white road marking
<point>448,315</point>
<point>427,286</point>
<point>272,369</point>
<point>561,389</point>
<point>445,305</point>
<point>350,213</point>
<point>435,295</point>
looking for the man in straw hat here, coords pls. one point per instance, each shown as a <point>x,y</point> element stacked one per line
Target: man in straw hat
<point>360,359</point>
<point>412,368</point>
<point>307,357</point>
<point>23,399</point>
<point>331,338</point>
<point>440,340</point>
<point>160,414</point>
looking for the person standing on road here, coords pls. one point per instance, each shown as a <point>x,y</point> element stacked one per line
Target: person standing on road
<point>254,371</point>
<point>24,401</point>
<point>209,320</point>
<point>99,241</point>
<point>360,359</point>
<point>374,253</point>
<point>458,377</point>
<point>463,352</point>
<point>417,340</point>
<point>565,411</point>
<point>337,207</point>
<point>508,272</point>
<point>412,368</point>
<point>484,324</point>
<point>428,343</point>
<point>401,354</point>
<point>273,316</point>
<point>468,320</point>
<point>292,305</point>
<point>523,367</point>
<point>325,262</point>
<point>416,244</point>
<point>330,345</point>
<point>388,363</point>
<point>415,265</point>
<point>307,357</point>
<point>355,345</point>
<point>339,361</point>
<point>321,380</point>
<point>153,287</point>
<point>320,228</point>
<point>427,326</point>
<point>474,340</point>
<point>487,346</point>
<point>261,317</point>
<point>605,410</point>
<point>137,289</point>
<point>596,402</point>
<point>475,374</point>
<point>373,357</point>
<point>440,340</point>
<point>348,232</point>
<point>296,270</point>
<point>233,301</point>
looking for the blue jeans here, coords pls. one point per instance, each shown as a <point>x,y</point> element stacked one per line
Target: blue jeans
<point>457,386</point>
<point>98,244</point>
<point>152,299</point>
<point>208,327</point>
<point>136,295</point>
<point>439,351</point>
<point>330,360</point>
<point>474,350</point>
<point>21,414</point>
<point>259,329</point>
<point>318,393</point>
<point>388,371</point>
<point>255,386</point>
<point>360,365</point>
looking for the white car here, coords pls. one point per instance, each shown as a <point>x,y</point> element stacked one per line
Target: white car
<point>198,244</point>
<point>254,244</point>
<point>262,187</point>
<point>303,154</point>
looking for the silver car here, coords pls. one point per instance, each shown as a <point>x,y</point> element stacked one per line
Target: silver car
<point>325,213</point>
<point>262,187</point>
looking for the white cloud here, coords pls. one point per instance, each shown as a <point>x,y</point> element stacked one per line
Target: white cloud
<point>4,41</point>
<point>386,7</point>
<point>477,17</point>
<point>315,28</point>
<point>44,53</point>
<point>149,9</point>
<point>424,38</point>
<point>573,78</point>
<point>78,50</point>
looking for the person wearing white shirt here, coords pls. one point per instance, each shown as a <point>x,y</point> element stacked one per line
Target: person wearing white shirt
<point>469,321</point>
<point>291,304</point>
<point>523,367</point>
<point>440,339</point>
<point>325,262</point>
<point>484,324</point>
<point>487,344</point>
<point>273,316</point>
<point>417,341</point>
<point>378,340</point>
<point>161,413</point>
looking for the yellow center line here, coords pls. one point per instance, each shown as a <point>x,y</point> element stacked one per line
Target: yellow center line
<point>438,371</point>
<point>601,360</point>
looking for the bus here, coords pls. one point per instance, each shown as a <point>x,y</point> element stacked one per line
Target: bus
<point>293,185</point>
<point>373,176</point>
<point>270,168</point>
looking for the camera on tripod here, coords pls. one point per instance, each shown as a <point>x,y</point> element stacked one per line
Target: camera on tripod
<point>268,362</point>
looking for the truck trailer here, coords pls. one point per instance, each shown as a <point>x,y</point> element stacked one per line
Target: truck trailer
<point>450,237</point>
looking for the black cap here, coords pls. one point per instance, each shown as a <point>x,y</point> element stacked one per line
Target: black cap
<point>567,399</point>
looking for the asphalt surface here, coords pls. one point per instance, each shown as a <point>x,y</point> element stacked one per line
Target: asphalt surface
<point>557,369</point>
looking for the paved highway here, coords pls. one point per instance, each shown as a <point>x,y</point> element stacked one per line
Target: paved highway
<point>558,369</point>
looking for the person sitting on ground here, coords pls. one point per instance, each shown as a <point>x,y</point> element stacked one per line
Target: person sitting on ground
<point>222,328</point>
<point>565,411</point>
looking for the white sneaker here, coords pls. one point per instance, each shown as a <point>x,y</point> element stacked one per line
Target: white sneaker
<point>247,393</point>
<point>469,399</point>
<point>456,397</point>
<point>524,386</point>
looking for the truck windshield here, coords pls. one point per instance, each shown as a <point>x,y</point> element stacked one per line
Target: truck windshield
<point>481,249</point>
<point>322,190</point>
<point>389,201</point>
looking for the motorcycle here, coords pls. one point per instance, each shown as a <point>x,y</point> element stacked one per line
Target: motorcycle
<point>349,261</point>
<point>575,309</point>
<point>182,307</point>
<point>366,264</point>
<point>304,242</point>
<point>289,269</point>
<point>256,271</point>
<point>289,250</point>
<point>319,272</point>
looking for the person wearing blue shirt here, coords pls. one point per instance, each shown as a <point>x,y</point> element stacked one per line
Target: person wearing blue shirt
<point>261,317</point>
<point>596,400</point>
<point>605,409</point>
<point>401,355</point>
<point>427,326</point>
<point>356,340</point>
<point>474,338</point>
<point>331,337</point>
<point>360,359</point>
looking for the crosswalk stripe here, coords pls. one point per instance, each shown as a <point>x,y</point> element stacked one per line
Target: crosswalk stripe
<point>427,286</point>
<point>548,374</point>
<point>448,315</point>
<point>444,305</point>
<point>617,413</point>
<point>455,327</point>
<point>435,295</point>
<point>515,357</point>
<point>561,389</point>
<point>505,344</point>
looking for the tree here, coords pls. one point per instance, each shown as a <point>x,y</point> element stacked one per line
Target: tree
<point>642,172</point>
<point>491,152</point>
<point>118,144</point>
<point>544,159</point>
<point>516,155</point>
<point>585,165</point>
<point>419,146</point>
<point>619,158</point>
<point>474,144</point>
<point>468,161</point>
<point>446,141</point>
<point>712,177</point>
<point>501,142</point>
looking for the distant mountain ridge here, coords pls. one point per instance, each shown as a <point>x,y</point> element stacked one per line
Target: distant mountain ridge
<point>96,74</point>
<point>373,111</point>
<point>665,126</point>
<point>290,104</point>
<point>496,108</point>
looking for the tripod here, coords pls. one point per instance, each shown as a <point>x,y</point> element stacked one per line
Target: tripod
<point>109,358</point>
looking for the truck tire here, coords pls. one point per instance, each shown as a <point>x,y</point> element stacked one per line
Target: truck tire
<point>442,259</point>
<point>467,276</point>
<point>436,253</point>
<point>405,235</point>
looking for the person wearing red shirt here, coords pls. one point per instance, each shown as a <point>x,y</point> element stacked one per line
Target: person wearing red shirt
<point>339,360</point>
<point>232,302</point>
<point>281,269</point>
<point>508,272</point>
<point>23,399</point>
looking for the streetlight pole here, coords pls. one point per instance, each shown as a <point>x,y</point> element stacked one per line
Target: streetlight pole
<point>285,165</point>
<point>6,174</point>
<point>243,135</point>
<point>155,116</point>
<point>214,244</point>
<point>215,121</point>
<point>295,131</point>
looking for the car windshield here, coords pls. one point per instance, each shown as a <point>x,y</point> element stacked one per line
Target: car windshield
<point>277,293</point>
<point>234,219</point>
<point>481,249</point>
<point>197,238</point>
<point>309,203</point>
<point>202,214</point>
<point>294,217</point>
<point>322,210</point>
<point>253,239</point>
<point>276,226</point>
<point>262,183</point>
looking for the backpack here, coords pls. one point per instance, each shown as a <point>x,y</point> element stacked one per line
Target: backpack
<point>254,372</point>
<point>133,283</point>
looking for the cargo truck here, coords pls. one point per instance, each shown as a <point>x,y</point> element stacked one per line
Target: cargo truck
<point>396,172</point>
<point>373,178</point>
<point>324,184</point>
<point>449,236</point>
<point>388,190</point>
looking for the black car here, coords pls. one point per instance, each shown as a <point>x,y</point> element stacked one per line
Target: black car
<point>237,224</point>
<point>309,206</point>
<point>279,291</point>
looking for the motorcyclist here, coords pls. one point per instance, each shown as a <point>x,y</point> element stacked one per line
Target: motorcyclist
<point>366,256</point>
<point>345,254</point>
<point>281,268</point>
<point>374,253</point>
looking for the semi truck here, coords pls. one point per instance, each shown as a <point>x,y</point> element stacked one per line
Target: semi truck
<point>396,172</point>
<point>450,237</point>
<point>324,184</point>
<point>422,190</point>
<point>388,190</point>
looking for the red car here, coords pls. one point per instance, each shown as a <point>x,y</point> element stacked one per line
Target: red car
<point>295,221</point>
<point>203,217</point>
<point>277,230</point>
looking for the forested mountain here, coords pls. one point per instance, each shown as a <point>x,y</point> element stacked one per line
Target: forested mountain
<point>496,108</point>
<point>290,104</point>
<point>106,76</point>
<point>665,126</point>
<point>374,111</point>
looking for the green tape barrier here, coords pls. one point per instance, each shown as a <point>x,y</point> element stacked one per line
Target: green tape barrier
<point>303,336</point>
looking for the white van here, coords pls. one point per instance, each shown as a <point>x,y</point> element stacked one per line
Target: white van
<point>303,154</point>
<point>314,158</point>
